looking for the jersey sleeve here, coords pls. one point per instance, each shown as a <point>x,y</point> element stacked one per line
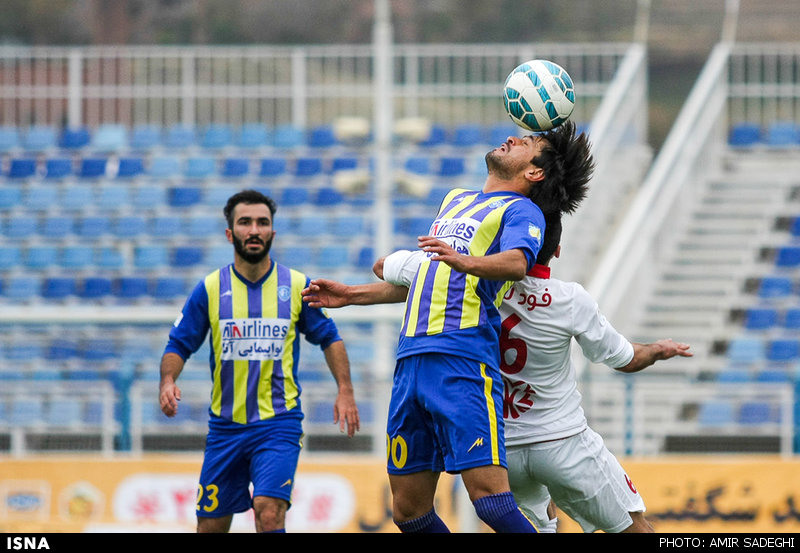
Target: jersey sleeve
<point>523,228</point>
<point>599,340</point>
<point>400,267</point>
<point>190,329</point>
<point>317,327</point>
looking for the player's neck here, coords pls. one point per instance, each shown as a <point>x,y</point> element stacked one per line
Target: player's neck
<point>495,184</point>
<point>252,271</point>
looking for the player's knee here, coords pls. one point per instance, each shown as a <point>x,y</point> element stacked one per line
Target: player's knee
<point>207,525</point>
<point>270,514</point>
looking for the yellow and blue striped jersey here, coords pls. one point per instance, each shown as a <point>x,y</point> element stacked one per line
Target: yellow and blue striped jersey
<point>253,328</point>
<point>450,311</point>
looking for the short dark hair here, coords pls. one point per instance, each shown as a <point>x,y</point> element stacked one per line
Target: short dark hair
<point>552,238</point>
<point>248,197</point>
<point>568,166</point>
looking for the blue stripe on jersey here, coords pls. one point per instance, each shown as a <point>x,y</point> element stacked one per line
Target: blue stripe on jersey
<point>226,366</point>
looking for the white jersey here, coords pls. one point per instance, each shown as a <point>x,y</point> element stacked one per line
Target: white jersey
<point>540,317</point>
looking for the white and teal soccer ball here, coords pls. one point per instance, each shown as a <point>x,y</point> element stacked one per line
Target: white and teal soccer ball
<point>539,95</point>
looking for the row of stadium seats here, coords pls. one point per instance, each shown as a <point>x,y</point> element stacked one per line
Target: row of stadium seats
<point>778,134</point>
<point>121,138</point>
<point>61,412</point>
<point>235,169</point>
<point>726,413</point>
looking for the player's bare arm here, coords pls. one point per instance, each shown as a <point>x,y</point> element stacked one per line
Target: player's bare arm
<point>507,265</point>
<point>345,411</point>
<point>645,355</point>
<point>168,392</point>
<point>330,293</point>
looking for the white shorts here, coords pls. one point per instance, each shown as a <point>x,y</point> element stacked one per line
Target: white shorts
<point>581,476</point>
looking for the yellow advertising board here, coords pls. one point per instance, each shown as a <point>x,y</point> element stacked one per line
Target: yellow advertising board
<point>351,494</point>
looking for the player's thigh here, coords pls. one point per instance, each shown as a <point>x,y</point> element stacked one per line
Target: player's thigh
<point>531,495</point>
<point>465,400</point>
<point>411,445</point>
<point>223,487</point>
<point>588,483</point>
<point>275,453</point>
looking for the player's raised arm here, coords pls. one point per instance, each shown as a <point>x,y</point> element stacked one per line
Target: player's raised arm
<point>645,355</point>
<point>330,293</point>
<point>507,265</point>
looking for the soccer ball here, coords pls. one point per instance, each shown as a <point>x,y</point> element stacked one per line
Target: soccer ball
<point>539,95</point>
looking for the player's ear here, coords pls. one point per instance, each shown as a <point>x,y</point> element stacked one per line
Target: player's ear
<point>534,173</point>
<point>229,235</point>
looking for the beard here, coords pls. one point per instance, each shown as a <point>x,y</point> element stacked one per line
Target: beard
<point>252,257</point>
<point>497,166</point>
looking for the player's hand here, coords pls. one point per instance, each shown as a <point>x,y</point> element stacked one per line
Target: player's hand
<point>444,253</point>
<point>345,413</point>
<point>670,348</point>
<point>168,396</point>
<point>325,293</point>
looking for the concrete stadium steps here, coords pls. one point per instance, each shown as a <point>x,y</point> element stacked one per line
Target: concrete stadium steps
<point>719,247</point>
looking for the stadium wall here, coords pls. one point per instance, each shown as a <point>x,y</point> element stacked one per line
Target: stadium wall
<point>346,494</point>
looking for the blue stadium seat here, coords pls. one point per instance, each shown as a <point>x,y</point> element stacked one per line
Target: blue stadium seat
<point>782,350</point>
<point>63,412</point>
<point>58,288</point>
<point>333,257</point>
<point>26,411</point>
<point>41,197</point>
<point>76,257</point>
<point>110,138</point>
<point>200,167</point>
<point>772,287</point>
<point>22,168</point>
<point>165,226</point>
<point>109,257</point>
<point>452,166</point>
<point>179,137</point>
<point>306,166</point>
<point>419,165</point>
<point>113,197</point>
<point>744,135</point>
<point>10,196</point>
<point>781,134</point>
<point>93,227</point>
<point>216,196</point>
<point>164,167</point>
<point>75,138</point>
<point>204,226</point>
<point>150,256</point>
<point>756,412</point>
<point>467,135</point>
<point>184,196</point>
<point>252,135</point>
<point>10,256</point>
<point>787,256</point>
<point>21,288</point>
<point>145,137</point>
<point>130,167</point>
<point>328,196</point>
<point>344,163</point>
<point>235,167</point>
<point>746,350</point>
<point>715,413</point>
<point>23,226</point>
<point>365,258</point>
<point>95,288</point>
<point>760,318</point>
<point>61,350</point>
<point>168,288</point>
<point>9,138</point>
<point>149,197</point>
<point>322,136</point>
<point>499,133</point>
<point>98,349</point>
<point>272,167</point>
<point>39,138</point>
<point>308,226</point>
<point>347,225</point>
<point>791,319</point>
<point>40,256</point>
<point>216,137</point>
<point>774,375</point>
<point>294,196</point>
<point>129,226</point>
<point>92,168</point>
<point>57,168</point>
<point>129,288</point>
<point>57,226</point>
<point>734,374</point>
<point>186,256</point>
<point>76,197</point>
<point>287,137</point>
<point>218,255</point>
<point>436,137</point>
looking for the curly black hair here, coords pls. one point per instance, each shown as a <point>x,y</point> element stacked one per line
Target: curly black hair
<point>568,166</point>
<point>248,197</point>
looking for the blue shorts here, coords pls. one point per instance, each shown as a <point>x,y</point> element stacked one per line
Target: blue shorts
<point>264,453</point>
<point>445,414</point>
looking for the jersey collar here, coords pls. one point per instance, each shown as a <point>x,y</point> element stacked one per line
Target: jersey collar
<point>539,271</point>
